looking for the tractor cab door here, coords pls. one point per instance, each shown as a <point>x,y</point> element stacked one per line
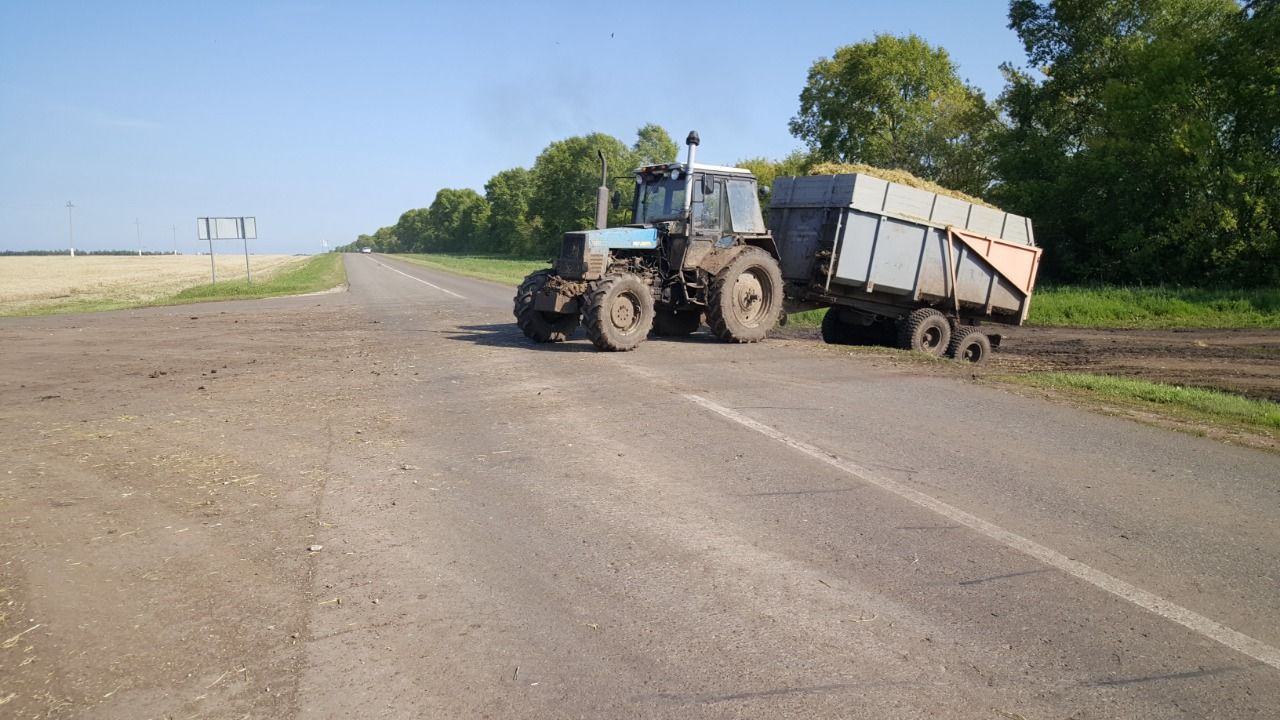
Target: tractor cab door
<point>708,207</point>
<point>709,220</point>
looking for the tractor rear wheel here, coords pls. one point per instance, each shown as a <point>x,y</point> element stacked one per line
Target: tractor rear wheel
<point>537,325</point>
<point>618,312</point>
<point>838,332</point>
<point>746,298</point>
<point>925,330</point>
<point>676,323</point>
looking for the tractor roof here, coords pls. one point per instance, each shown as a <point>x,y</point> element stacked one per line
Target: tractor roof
<point>722,169</point>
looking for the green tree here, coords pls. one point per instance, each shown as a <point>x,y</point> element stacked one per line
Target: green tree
<point>410,230</point>
<point>653,146</point>
<point>1141,150</point>
<point>457,220</point>
<point>565,177</point>
<point>897,102</point>
<point>510,230</point>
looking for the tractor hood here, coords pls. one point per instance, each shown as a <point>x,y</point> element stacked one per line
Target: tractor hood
<point>621,238</point>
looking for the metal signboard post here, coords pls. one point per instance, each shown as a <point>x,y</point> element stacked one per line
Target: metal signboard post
<point>227,228</point>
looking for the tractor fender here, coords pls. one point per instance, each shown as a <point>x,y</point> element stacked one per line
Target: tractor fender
<point>714,259</point>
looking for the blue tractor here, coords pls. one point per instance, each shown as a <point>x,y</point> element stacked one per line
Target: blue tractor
<point>697,248</point>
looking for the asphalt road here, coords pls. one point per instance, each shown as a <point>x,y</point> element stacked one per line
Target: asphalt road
<point>689,530</point>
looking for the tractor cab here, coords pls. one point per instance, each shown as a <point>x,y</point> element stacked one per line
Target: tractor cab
<point>723,200</point>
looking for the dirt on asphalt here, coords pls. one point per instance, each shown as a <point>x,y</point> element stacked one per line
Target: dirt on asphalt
<point>1245,362</point>
<point>163,471</point>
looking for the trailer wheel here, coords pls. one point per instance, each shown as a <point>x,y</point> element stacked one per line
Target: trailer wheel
<point>745,298</point>
<point>618,312</point>
<point>970,345</point>
<point>539,326</point>
<point>925,330</point>
<point>675,323</point>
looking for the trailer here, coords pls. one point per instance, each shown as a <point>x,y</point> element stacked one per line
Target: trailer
<point>901,265</point>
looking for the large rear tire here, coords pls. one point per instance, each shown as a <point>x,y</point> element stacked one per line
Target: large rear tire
<point>675,323</point>
<point>537,325</point>
<point>746,298</point>
<point>618,312</point>
<point>925,330</point>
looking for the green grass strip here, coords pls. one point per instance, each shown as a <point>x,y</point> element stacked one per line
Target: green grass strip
<point>1155,308</point>
<point>494,268</point>
<point>320,272</point>
<point>1212,404</point>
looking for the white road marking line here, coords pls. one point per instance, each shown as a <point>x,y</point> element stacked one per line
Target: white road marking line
<point>424,282</point>
<point>1211,629</point>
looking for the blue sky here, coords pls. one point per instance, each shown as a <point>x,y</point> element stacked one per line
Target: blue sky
<point>325,120</point>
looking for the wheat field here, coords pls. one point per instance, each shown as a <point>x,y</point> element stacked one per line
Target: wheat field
<point>46,283</point>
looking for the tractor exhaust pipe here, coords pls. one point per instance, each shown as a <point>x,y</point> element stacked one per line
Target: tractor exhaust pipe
<point>602,194</point>
<point>692,141</point>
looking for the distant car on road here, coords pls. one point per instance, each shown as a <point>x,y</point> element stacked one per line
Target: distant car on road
<point>366,250</point>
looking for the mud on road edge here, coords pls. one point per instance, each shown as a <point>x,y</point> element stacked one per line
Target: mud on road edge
<point>1020,359</point>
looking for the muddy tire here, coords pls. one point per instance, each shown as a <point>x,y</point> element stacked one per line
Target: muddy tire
<point>539,326</point>
<point>618,312</point>
<point>837,332</point>
<point>925,330</point>
<point>673,323</point>
<point>970,345</point>
<point>746,298</point>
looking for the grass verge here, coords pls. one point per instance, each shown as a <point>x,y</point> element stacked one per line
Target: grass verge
<point>1189,402</point>
<point>320,272</point>
<point>494,268</point>
<point>1155,308</point>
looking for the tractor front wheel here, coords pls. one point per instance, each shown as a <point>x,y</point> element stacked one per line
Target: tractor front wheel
<point>618,312</point>
<point>537,325</point>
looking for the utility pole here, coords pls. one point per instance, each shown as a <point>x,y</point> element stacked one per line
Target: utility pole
<point>138,225</point>
<point>71,234</point>
<point>175,239</point>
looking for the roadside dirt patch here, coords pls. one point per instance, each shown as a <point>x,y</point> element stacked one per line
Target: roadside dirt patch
<point>163,471</point>
<point>1245,362</point>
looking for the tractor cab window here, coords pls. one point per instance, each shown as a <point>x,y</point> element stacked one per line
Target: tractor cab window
<point>744,207</point>
<point>659,198</point>
<point>707,199</point>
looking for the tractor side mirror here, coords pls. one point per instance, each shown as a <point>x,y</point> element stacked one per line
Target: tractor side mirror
<point>616,200</point>
<point>765,190</point>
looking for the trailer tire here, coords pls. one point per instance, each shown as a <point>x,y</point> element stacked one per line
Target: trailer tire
<point>618,312</point>
<point>537,325</point>
<point>675,323</point>
<point>925,330</point>
<point>745,297</point>
<point>970,345</point>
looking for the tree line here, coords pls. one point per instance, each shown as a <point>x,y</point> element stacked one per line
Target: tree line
<point>1143,141</point>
